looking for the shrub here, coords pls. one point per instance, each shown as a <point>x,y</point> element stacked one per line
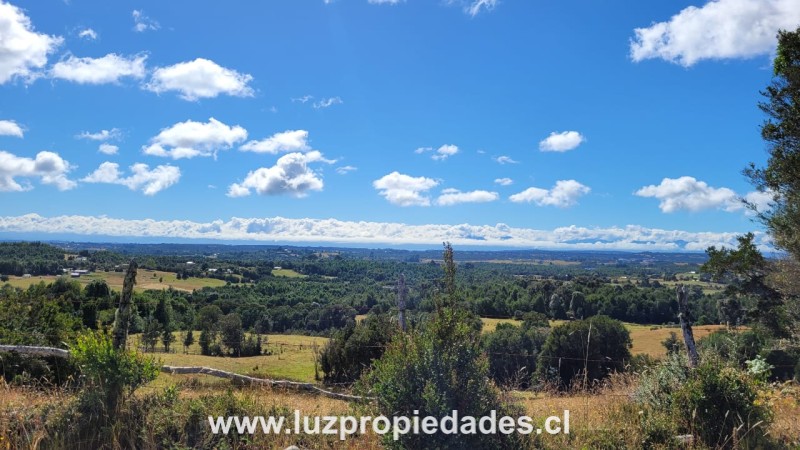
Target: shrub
<point>47,371</point>
<point>783,362</point>
<point>716,402</point>
<point>252,346</point>
<point>114,373</point>
<point>433,372</point>
<point>672,343</point>
<point>658,385</point>
<point>641,362</point>
<point>352,349</point>
<point>719,404</point>
<point>512,352</point>
<point>736,347</point>
<point>571,348</point>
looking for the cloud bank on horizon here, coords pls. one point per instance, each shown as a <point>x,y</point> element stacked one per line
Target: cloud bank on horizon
<point>280,229</point>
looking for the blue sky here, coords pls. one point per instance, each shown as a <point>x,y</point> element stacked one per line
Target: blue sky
<point>572,124</point>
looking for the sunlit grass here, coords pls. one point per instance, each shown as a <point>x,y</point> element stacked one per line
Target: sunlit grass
<point>288,273</point>
<point>145,279</point>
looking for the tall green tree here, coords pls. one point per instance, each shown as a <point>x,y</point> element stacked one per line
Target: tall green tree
<point>746,271</point>
<point>232,333</point>
<point>166,317</point>
<point>188,340</point>
<point>584,350</point>
<point>123,314</point>
<point>781,176</point>
<point>449,280</point>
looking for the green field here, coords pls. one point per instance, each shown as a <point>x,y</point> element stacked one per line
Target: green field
<point>288,273</point>
<point>291,358</point>
<point>145,279</point>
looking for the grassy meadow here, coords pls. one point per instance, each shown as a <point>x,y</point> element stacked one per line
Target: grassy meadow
<point>146,279</point>
<point>288,273</point>
<point>291,357</point>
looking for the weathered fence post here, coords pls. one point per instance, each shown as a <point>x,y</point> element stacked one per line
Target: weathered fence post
<point>686,326</point>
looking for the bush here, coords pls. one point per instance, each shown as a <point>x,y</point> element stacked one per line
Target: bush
<point>658,385</point>
<point>47,371</point>
<point>512,352</point>
<point>571,348</point>
<point>641,362</point>
<point>735,347</point>
<point>672,343</point>
<point>352,349</point>
<point>114,373</point>
<point>784,363</point>
<point>716,402</point>
<point>252,346</point>
<point>433,372</point>
<point>719,404</point>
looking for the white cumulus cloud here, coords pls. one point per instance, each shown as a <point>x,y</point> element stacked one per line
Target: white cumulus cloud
<point>108,149</point>
<point>108,69</point>
<point>445,152</point>
<point>405,190</point>
<point>720,29</point>
<point>141,177</point>
<point>454,197</point>
<point>561,142</point>
<point>286,141</point>
<point>48,167</point>
<point>190,139</point>
<point>504,181</point>
<point>763,201</point>
<point>688,193</point>
<point>565,193</point>
<point>23,51</point>
<point>10,128</point>
<point>290,175</point>
<point>201,78</point>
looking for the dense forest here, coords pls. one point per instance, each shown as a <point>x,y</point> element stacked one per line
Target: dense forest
<point>331,289</point>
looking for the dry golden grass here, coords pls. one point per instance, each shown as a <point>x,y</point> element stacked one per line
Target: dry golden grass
<point>647,339</point>
<point>18,406</point>
<point>607,415</point>
<point>20,397</point>
<point>785,403</point>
